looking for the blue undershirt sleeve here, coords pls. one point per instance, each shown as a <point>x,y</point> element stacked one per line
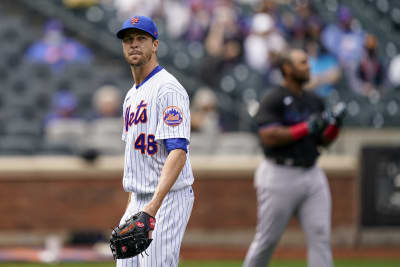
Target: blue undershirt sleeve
<point>176,143</point>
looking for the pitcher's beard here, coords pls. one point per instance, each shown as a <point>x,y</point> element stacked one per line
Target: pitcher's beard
<point>142,62</point>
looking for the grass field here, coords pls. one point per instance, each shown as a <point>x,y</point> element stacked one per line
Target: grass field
<point>280,263</point>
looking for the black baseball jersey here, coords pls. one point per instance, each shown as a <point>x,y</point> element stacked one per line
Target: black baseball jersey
<point>280,106</point>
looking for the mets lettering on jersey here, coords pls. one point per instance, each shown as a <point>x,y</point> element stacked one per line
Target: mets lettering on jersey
<point>157,109</point>
<point>135,118</point>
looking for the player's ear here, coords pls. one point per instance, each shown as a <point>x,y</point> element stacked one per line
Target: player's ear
<point>287,68</point>
<point>155,46</point>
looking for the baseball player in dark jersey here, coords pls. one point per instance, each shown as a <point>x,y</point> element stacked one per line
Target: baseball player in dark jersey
<point>292,127</point>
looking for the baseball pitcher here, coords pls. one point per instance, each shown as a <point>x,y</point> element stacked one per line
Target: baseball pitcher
<point>157,170</point>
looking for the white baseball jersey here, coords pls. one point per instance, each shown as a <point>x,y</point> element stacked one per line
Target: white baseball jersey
<point>156,109</point>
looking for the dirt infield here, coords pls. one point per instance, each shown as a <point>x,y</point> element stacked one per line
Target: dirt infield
<point>218,253</point>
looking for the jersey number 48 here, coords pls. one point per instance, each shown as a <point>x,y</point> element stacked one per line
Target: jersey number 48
<point>150,147</point>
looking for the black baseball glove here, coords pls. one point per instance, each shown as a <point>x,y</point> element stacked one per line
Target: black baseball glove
<point>316,124</point>
<point>132,238</point>
<point>333,120</point>
<point>335,115</point>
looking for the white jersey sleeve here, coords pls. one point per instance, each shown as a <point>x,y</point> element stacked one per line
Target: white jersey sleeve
<point>174,113</point>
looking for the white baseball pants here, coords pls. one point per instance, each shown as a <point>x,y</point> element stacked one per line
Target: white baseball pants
<point>171,221</point>
<point>281,192</point>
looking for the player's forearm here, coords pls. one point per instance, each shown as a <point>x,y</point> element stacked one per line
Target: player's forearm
<point>276,136</point>
<point>169,174</point>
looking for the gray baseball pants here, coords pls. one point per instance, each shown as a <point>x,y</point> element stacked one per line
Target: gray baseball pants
<point>284,191</point>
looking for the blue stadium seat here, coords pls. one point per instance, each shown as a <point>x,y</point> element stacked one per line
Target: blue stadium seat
<point>4,75</point>
<point>18,145</point>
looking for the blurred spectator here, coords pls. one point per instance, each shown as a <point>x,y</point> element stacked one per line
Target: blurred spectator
<point>224,42</point>
<point>370,70</point>
<point>205,122</point>
<point>104,133</point>
<point>271,7</point>
<point>80,3</point>
<point>267,6</point>
<point>341,40</point>
<point>263,45</point>
<point>346,44</point>
<point>325,69</point>
<point>64,106</point>
<point>128,8</point>
<point>296,29</point>
<point>56,49</point>
<point>394,71</point>
<point>204,112</point>
<point>199,22</point>
<point>176,25</point>
<point>305,11</point>
<point>64,130</point>
<point>106,102</point>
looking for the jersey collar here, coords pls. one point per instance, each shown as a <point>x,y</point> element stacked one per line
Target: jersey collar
<point>151,74</point>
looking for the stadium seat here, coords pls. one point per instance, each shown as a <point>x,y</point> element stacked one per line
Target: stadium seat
<point>17,95</point>
<point>104,135</point>
<point>23,128</point>
<point>202,144</point>
<point>12,31</point>
<point>237,143</point>
<point>67,135</point>
<point>18,145</point>
<point>4,74</point>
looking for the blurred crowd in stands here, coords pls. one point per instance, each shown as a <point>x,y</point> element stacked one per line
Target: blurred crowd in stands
<point>233,48</point>
<point>256,31</point>
<point>232,34</point>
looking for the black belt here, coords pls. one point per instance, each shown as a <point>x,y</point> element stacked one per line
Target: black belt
<point>293,162</point>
